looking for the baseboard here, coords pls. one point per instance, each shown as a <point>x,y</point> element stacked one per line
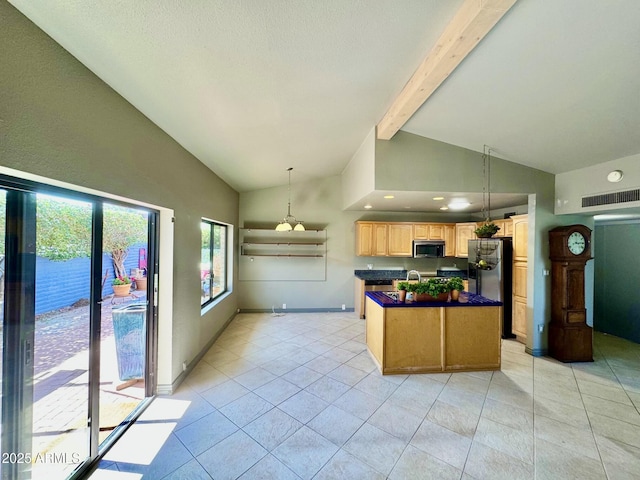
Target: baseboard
<point>295,310</point>
<point>169,389</point>
<point>536,352</point>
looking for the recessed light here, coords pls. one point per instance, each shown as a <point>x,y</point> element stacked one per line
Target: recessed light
<point>615,176</point>
<point>368,206</point>
<point>459,205</point>
<point>438,198</point>
<point>389,196</point>
<point>444,208</point>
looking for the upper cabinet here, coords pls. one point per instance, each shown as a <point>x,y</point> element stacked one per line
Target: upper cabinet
<point>520,237</point>
<point>450,240</point>
<point>371,239</point>
<point>464,233</point>
<point>430,231</point>
<point>500,224</point>
<point>400,241</point>
<point>506,227</point>
<point>395,239</point>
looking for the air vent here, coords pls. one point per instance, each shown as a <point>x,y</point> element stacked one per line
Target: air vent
<point>611,198</point>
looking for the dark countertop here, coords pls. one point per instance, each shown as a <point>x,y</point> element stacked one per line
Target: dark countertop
<point>402,274</point>
<point>474,301</point>
<point>380,274</point>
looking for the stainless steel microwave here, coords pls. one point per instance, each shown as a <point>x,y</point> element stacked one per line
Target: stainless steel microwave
<point>428,248</point>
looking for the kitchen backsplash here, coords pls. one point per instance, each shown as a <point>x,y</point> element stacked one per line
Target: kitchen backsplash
<point>420,264</point>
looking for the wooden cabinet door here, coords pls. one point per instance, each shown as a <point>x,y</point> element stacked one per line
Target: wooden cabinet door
<point>450,240</point>
<point>364,237</point>
<point>519,325</point>
<point>400,240</point>
<point>520,237</point>
<point>436,231</point>
<point>519,318</point>
<point>464,233</point>
<point>379,240</point>
<point>421,231</point>
<point>520,279</point>
<point>508,228</point>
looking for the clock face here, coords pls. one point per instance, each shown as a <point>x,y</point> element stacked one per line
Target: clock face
<point>576,243</point>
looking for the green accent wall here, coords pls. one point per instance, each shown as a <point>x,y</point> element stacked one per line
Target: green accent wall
<point>617,280</point>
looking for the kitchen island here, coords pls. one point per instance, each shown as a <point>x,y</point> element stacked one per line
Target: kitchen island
<point>429,337</point>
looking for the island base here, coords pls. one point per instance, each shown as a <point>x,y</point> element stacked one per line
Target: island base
<point>434,339</point>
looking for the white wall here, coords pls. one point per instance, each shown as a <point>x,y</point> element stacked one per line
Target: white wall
<point>319,204</point>
<point>572,186</point>
<point>358,177</point>
<point>60,122</point>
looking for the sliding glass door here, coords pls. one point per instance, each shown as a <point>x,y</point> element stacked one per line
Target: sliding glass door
<point>77,355</point>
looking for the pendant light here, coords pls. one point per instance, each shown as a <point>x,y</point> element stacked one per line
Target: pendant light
<point>285,224</point>
<point>486,185</point>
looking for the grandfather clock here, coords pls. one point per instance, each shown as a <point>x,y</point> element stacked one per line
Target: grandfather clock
<point>570,338</point>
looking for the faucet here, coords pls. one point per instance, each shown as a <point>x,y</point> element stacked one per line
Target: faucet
<point>413,271</point>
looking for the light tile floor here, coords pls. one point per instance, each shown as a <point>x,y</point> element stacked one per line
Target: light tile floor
<point>297,396</point>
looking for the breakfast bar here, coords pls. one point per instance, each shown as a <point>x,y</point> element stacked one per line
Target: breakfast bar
<point>429,337</point>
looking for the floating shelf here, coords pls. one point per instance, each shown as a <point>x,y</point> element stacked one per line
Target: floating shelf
<point>263,251</point>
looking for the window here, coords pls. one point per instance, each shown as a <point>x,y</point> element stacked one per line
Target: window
<point>213,266</point>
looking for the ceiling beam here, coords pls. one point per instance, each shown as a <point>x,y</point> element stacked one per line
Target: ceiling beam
<point>470,24</point>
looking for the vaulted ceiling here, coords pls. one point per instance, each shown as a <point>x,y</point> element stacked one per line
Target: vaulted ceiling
<point>256,86</point>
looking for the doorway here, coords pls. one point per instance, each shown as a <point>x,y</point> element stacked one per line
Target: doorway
<point>68,387</point>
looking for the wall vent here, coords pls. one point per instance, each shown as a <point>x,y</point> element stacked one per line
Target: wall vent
<point>611,198</point>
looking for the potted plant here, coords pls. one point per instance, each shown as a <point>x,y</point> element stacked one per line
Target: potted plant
<point>487,230</point>
<point>456,285</point>
<point>121,286</point>
<point>402,291</point>
<point>433,289</point>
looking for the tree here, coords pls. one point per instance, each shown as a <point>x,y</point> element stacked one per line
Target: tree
<point>63,230</point>
<point>123,227</point>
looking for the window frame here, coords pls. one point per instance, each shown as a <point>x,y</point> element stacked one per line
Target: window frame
<point>225,234</point>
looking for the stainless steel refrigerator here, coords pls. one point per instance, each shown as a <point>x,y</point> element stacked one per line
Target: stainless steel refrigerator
<point>490,274</point>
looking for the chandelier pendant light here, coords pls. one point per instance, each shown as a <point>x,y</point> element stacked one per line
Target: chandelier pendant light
<point>286,224</point>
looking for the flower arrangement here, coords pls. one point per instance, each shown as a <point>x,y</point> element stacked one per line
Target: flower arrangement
<point>121,280</point>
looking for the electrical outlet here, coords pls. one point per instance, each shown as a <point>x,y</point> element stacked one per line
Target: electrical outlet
<point>540,328</point>
<point>184,366</point>
<point>344,306</point>
<point>284,306</point>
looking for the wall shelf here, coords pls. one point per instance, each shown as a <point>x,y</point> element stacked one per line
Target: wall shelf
<point>269,255</point>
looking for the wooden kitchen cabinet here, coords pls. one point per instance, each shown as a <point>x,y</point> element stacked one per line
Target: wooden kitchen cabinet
<point>395,239</point>
<point>520,248</point>
<point>364,237</point>
<point>449,240</point>
<point>400,241</point>
<point>500,224</point>
<point>371,239</point>
<point>519,314</point>
<point>421,231</point>
<point>380,242</point>
<point>429,231</point>
<point>508,227</point>
<point>436,231</point>
<point>520,238</point>
<point>464,233</point>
